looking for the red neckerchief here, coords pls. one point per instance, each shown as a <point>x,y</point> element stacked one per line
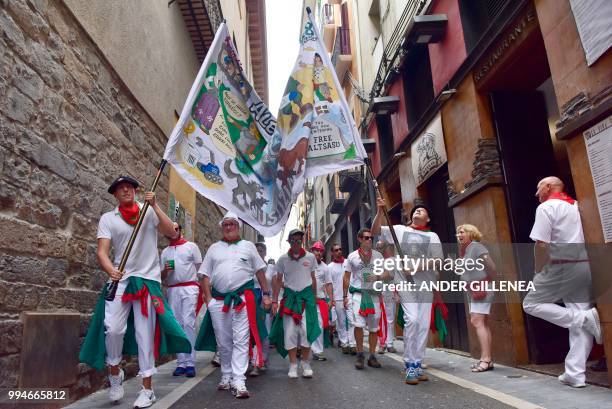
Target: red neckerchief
<point>341,260</point>
<point>561,196</point>
<point>420,228</point>
<point>178,241</point>
<point>130,213</point>
<point>301,254</point>
<point>230,242</point>
<point>365,257</point>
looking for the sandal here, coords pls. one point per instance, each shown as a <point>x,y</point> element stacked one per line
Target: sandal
<point>481,368</point>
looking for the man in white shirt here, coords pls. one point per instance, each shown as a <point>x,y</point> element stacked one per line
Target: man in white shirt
<point>138,292</point>
<point>296,324</point>
<point>417,241</point>
<point>180,262</point>
<point>562,273</point>
<point>366,302</point>
<point>229,267</point>
<point>344,320</point>
<point>325,299</point>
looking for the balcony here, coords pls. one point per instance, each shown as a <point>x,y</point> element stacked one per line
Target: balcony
<point>341,56</point>
<point>328,25</point>
<point>337,199</point>
<point>350,179</point>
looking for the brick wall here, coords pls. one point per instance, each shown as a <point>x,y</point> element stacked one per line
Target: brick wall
<point>68,126</point>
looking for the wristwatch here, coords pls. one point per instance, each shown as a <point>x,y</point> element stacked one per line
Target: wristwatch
<point>268,293</point>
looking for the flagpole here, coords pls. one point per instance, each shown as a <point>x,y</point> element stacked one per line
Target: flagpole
<point>111,288</point>
<point>368,165</point>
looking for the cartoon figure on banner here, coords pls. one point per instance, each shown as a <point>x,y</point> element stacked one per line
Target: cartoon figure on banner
<point>322,90</point>
<point>293,109</point>
<point>251,192</point>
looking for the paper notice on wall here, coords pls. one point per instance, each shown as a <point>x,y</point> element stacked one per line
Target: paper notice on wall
<point>593,19</point>
<point>598,141</point>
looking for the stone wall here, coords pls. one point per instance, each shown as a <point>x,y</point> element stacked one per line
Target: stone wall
<point>68,126</point>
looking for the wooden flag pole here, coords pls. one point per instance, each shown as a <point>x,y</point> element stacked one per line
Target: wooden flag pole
<point>111,288</point>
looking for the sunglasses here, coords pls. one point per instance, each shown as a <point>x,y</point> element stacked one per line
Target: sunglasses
<point>338,249</point>
<point>367,237</point>
<point>295,240</point>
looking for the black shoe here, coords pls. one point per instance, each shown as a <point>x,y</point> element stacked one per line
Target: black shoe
<point>346,350</point>
<point>353,350</point>
<point>360,362</point>
<point>373,362</point>
<point>318,357</point>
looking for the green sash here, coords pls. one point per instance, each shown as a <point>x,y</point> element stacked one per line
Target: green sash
<point>294,302</point>
<point>366,306</point>
<point>168,340</point>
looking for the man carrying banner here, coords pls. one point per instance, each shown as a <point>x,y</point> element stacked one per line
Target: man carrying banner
<point>325,301</point>
<point>366,303</point>
<point>233,316</point>
<point>138,296</point>
<point>417,241</point>
<point>296,324</point>
<point>344,322</point>
<point>180,262</point>
<point>270,272</point>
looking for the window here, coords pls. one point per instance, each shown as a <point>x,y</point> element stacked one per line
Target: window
<point>385,138</point>
<point>418,85</point>
<point>476,17</point>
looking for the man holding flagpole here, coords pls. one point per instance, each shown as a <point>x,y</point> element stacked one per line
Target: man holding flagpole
<point>180,262</point>
<point>233,317</point>
<point>155,330</point>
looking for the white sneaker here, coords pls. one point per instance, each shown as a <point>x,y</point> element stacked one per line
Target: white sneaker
<point>292,371</point>
<point>592,325</point>
<point>567,380</point>
<point>306,370</point>
<point>240,391</point>
<point>225,384</point>
<point>146,398</point>
<point>116,388</point>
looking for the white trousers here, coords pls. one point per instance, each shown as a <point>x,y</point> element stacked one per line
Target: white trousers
<point>182,302</point>
<point>344,325</point>
<point>390,311</point>
<point>295,334</point>
<point>417,317</point>
<point>265,345</point>
<point>232,334</point>
<point>372,322</point>
<point>116,315</point>
<point>538,304</point>
<point>318,344</point>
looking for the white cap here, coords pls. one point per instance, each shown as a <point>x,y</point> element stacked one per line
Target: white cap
<point>231,215</point>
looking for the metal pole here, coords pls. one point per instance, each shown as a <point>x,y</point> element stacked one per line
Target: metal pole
<point>111,288</point>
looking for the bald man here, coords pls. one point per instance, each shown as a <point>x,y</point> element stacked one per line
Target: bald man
<point>563,274</point>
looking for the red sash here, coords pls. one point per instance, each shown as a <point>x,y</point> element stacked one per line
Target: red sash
<point>382,323</point>
<point>200,292</point>
<point>324,310</point>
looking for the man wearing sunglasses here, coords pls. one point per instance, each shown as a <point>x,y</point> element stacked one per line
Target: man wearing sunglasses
<point>297,323</point>
<point>180,262</point>
<point>231,321</point>
<point>358,292</point>
<point>343,320</point>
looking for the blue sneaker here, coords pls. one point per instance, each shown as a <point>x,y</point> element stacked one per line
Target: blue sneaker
<point>420,373</point>
<point>179,371</point>
<point>411,374</point>
<point>190,372</point>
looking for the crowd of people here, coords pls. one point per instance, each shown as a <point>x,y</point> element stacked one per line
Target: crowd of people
<point>299,304</point>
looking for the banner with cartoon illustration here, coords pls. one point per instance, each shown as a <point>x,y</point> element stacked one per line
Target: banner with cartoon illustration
<point>220,142</point>
<point>230,149</point>
<point>314,117</point>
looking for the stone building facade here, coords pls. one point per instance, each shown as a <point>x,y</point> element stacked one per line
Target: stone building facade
<point>69,124</point>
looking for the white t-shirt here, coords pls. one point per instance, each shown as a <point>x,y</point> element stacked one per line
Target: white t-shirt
<point>230,266</point>
<point>558,223</point>
<point>336,271</point>
<point>270,273</point>
<point>144,258</point>
<point>358,269</point>
<point>296,274</point>
<point>417,244</point>
<point>185,257</point>
<point>323,277</point>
